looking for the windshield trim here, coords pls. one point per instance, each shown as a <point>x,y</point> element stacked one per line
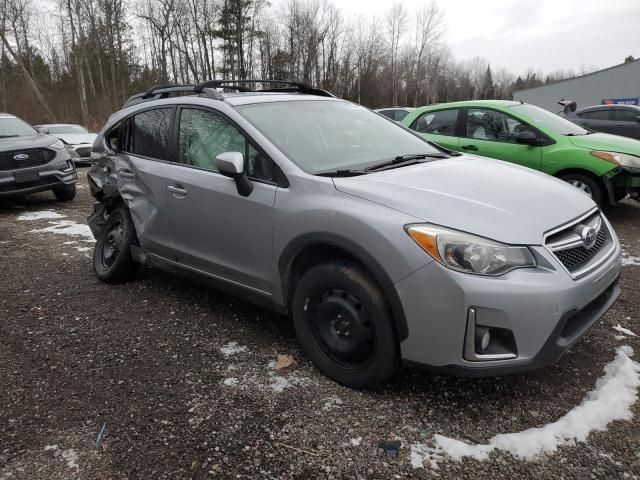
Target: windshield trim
<point>545,128</point>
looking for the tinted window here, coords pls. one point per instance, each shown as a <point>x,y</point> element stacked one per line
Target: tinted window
<point>595,115</point>
<point>388,113</point>
<point>204,135</point>
<point>400,114</point>
<point>442,122</point>
<point>323,135</point>
<point>485,124</point>
<point>622,115</point>
<point>149,136</point>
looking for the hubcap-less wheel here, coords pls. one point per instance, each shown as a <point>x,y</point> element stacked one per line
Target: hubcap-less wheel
<point>583,187</point>
<point>342,328</point>
<point>112,245</point>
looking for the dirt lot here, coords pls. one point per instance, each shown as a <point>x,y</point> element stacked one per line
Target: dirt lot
<point>183,381</point>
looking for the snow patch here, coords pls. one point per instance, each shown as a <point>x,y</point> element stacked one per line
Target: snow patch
<point>42,215</point>
<point>356,441</point>
<point>628,259</point>
<point>82,249</point>
<point>232,348</point>
<point>331,403</point>
<point>67,227</point>
<point>231,382</point>
<point>626,331</point>
<point>71,457</point>
<point>614,394</point>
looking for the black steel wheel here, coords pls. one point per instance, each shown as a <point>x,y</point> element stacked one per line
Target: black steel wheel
<point>112,260</point>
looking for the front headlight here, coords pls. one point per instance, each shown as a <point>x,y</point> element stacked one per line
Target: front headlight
<point>469,253</point>
<point>622,159</point>
<point>57,145</point>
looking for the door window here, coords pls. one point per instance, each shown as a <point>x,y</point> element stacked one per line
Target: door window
<point>204,135</point>
<point>621,115</point>
<point>442,122</point>
<point>595,115</point>
<point>485,124</point>
<point>149,135</point>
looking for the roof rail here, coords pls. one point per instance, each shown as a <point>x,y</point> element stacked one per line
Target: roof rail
<point>209,88</point>
<point>289,86</point>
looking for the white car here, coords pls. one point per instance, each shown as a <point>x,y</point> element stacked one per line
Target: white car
<point>77,139</point>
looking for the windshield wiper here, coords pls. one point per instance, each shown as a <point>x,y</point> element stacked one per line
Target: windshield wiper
<point>342,172</point>
<point>408,159</point>
<point>9,136</point>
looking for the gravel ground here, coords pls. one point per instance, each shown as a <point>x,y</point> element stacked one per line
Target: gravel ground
<point>155,363</point>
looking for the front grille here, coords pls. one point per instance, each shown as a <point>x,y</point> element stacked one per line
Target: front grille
<point>576,258</point>
<point>570,249</point>
<point>13,187</point>
<point>35,157</point>
<point>84,152</point>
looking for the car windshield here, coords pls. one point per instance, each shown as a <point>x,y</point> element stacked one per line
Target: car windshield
<point>550,121</point>
<point>68,129</point>
<point>14,127</point>
<point>323,136</point>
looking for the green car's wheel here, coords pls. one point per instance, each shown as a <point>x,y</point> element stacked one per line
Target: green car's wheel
<point>586,185</point>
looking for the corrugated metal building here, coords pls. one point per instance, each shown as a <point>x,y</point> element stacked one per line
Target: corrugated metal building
<point>619,84</point>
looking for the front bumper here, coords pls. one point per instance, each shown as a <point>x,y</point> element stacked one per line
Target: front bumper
<point>80,153</point>
<point>625,183</point>
<point>545,309</point>
<point>56,173</point>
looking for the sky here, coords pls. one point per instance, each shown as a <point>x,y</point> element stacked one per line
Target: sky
<point>545,35</point>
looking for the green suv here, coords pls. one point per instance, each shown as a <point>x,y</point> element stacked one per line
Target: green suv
<point>605,167</point>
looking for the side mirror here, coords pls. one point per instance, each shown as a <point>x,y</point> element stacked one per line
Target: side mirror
<point>231,164</point>
<point>527,137</point>
<point>638,118</point>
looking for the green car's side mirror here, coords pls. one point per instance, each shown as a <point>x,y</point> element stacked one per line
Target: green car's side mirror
<point>527,137</point>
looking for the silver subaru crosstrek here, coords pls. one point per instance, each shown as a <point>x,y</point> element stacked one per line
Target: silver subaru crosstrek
<point>383,248</point>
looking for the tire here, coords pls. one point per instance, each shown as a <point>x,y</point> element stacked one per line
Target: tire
<point>586,184</point>
<point>112,260</point>
<point>359,351</point>
<point>65,193</point>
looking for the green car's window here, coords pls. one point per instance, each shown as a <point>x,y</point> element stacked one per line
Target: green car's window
<point>442,122</point>
<point>543,119</point>
<point>203,135</point>
<point>485,124</point>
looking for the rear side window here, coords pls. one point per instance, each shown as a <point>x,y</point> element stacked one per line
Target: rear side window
<point>595,115</point>
<point>149,134</point>
<point>622,115</point>
<point>442,122</point>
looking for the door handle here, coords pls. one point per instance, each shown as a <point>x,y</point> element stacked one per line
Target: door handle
<point>469,147</point>
<point>177,191</point>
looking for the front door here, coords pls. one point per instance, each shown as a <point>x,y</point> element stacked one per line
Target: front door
<point>490,133</point>
<point>215,229</point>
<point>439,127</point>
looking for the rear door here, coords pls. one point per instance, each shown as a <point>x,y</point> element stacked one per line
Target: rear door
<point>597,119</point>
<point>141,171</point>
<point>214,229</point>
<point>439,127</point>
<point>491,133</point>
<point>626,121</point>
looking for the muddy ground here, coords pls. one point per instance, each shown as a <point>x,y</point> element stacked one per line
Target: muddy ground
<point>154,362</point>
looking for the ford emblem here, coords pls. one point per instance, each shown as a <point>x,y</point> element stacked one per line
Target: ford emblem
<point>21,156</point>
<point>588,236</point>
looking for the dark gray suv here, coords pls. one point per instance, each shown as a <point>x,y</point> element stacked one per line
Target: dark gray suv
<point>32,162</point>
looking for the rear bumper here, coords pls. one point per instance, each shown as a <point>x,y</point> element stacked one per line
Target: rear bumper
<point>544,308</point>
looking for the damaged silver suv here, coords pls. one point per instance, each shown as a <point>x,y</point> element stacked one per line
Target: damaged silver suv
<point>383,248</point>
<point>32,162</point>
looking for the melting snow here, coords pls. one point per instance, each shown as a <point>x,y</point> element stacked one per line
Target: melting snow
<point>356,441</point>
<point>71,457</point>
<point>614,394</point>
<point>43,215</point>
<point>67,227</point>
<point>626,331</point>
<point>628,259</point>
<point>231,382</point>
<point>232,348</point>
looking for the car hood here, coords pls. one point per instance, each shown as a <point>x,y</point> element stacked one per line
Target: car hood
<point>76,138</point>
<point>21,143</point>
<point>489,198</point>
<point>611,143</point>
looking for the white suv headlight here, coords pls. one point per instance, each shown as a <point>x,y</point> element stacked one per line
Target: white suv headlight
<point>469,253</point>
<point>622,159</point>
<point>57,145</point>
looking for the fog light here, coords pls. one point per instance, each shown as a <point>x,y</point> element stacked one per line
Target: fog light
<point>483,337</point>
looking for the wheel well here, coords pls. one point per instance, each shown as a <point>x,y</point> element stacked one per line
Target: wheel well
<point>603,187</point>
<point>315,254</point>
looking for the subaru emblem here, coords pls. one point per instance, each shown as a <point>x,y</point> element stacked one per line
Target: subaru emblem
<point>21,156</point>
<point>588,236</point>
